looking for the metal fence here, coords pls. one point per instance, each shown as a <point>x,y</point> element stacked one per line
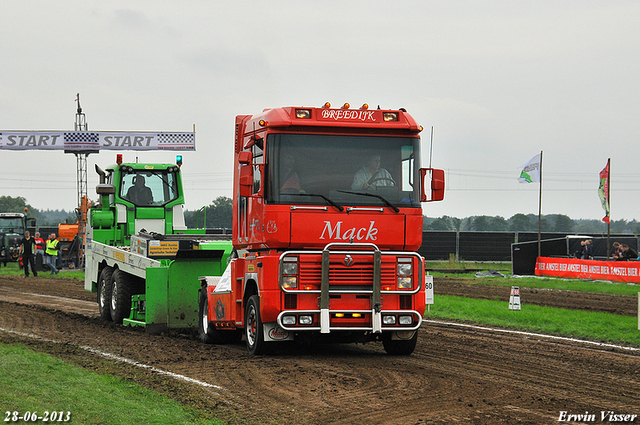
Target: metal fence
<point>496,246</point>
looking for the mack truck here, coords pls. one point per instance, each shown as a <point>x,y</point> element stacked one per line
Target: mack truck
<point>12,228</point>
<point>140,258</point>
<point>327,219</point>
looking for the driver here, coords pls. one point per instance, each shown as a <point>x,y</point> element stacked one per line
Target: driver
<point>140,194</point>
<point>371,175</point>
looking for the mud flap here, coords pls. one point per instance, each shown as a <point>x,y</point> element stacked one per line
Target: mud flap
<point>274,333</point>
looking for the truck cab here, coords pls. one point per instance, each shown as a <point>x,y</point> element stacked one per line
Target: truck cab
<point>140,197</point>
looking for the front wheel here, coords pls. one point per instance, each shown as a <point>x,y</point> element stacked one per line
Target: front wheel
<point>400,347</point>
<point>254,331</point>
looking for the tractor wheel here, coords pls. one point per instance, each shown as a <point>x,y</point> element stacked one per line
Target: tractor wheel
<point>207,333</point>
<point>120,305</point>
<point>254,331</point>
<point>104,293</point>
<point>400,347</point>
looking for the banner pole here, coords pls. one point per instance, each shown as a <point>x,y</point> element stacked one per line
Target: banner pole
<point>609,202</point>
<point>540,209</point>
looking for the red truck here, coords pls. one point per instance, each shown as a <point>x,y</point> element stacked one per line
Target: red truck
<point>326,220</point>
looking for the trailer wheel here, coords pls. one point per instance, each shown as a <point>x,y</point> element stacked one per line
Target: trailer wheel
<point>400,347</point>
<point>207,333</point>
<point>120,305</point>
<point>254,332</point>
<point>104,293</point>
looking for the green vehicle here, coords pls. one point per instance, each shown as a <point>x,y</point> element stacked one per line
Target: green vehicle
<point>140,258</point>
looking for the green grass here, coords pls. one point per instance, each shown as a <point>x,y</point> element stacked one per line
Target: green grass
<point>595,286</point>
<point>36,382</point>
<point>12,269</point>
<point>603,327</point>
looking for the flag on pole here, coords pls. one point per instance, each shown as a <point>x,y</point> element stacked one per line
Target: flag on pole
<point>530,170</point>
<point>603,191</point>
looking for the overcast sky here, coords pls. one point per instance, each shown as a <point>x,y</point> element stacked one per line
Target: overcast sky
<point>499,81</point>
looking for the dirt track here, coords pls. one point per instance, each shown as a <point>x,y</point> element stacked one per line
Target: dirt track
<point>456,374</point>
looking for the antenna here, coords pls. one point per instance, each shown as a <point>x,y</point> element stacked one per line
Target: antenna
<point>431,147</point>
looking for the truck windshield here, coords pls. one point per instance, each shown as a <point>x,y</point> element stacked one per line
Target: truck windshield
<point>343,169</point>
<point>11,225</point>
<point>144,187</point>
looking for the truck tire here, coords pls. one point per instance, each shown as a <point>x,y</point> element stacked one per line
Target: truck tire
<point>400,347</point>
<point>104,293</point>
<point>207,333</point>
<point>254,331</point>
<point>120,304</point>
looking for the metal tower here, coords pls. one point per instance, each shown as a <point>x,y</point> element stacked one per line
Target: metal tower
<point>81,182</point>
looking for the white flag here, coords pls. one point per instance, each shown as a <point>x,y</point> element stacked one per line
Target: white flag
<point>530,170</point>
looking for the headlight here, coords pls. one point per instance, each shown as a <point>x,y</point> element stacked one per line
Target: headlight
<point>289,320</point>
<point>305,320</point>
<point>389,320</point>
<point>405,320</point>
<point>404,282</point>
<point>289,267</point>
<point>404,269</point>
<point>290,282</point>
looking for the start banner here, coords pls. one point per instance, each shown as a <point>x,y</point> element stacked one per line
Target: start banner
<point>617,271</point>
<point>96,140</point>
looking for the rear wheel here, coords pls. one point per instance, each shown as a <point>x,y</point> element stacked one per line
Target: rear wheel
<point>120,305</point>
<point>254,332</point>
<point>104,293</point>
<point>400,347</point>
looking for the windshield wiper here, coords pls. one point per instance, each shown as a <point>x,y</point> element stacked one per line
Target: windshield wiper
<point>338,207</point>
<point>373,195</point>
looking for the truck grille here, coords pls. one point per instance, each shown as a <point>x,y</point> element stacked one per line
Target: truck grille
<point>341,275</point>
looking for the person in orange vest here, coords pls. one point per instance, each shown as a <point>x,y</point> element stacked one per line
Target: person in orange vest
<point>52,253</point>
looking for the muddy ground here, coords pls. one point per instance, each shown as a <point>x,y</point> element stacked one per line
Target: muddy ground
<point>456,374</point>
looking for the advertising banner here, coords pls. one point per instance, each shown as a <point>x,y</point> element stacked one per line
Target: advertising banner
<point>95,140</point>
<point>617,271</point>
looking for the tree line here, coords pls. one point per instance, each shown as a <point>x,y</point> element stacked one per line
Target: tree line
<point>219,214</point>
<point>528,223</point>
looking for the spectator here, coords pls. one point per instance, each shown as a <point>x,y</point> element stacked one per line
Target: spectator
<point>28,251</point>
<point>617,251</point>
<point>587,250</point>
<point>628,254</point>
<point>52,253</point>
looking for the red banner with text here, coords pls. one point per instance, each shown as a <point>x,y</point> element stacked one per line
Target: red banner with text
<point>618,271</point>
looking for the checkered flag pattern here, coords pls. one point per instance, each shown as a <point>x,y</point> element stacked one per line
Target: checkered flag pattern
<point>82,137</point>
<point>175,140</point>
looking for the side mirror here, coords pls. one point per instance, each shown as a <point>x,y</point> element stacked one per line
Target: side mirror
<point>244,157</point>
<point>434,179</point>
<point>246,180</point>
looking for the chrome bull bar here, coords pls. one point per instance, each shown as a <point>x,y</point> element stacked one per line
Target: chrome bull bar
<point>376,291</point>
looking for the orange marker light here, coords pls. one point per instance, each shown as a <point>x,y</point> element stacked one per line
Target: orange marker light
<point>346,105</point>
<point>326,105</point>
<point>364,106</point>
